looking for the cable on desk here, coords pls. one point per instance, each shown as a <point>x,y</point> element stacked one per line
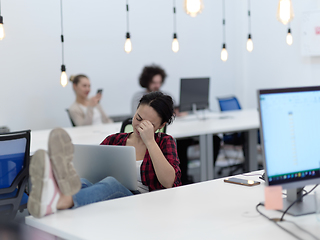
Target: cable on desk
<point>275,222</point>
<point>298,199</point>
<point>303,230</point>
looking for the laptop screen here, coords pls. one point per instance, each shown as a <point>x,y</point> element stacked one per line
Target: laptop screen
<point>290,121</point>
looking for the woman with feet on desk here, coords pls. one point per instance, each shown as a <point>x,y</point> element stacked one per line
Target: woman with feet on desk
<point>56,185</point>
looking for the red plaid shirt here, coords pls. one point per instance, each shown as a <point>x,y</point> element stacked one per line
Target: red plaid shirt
<point>148,175</point>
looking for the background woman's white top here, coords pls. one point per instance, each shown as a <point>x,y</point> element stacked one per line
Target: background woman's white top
<point>96,119</point>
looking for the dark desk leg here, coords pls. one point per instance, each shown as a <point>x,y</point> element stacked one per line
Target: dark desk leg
<point>250,150</point>
<point>182,148</point>
<point>203,158</point>
<point>210,153</point>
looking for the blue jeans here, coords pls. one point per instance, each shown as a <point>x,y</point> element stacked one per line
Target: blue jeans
<point>106,189</point>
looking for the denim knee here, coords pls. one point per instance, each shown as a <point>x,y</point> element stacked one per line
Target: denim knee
<point>110,181</point>
<point>106,189</point>
<point>85,183</point>
<point>115,184</point>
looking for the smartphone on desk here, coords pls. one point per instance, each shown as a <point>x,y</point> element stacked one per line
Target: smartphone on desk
<point>240,181</point>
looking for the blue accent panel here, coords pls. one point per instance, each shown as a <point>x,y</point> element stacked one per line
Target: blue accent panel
<point>228,104</point>
<point>10,167</point>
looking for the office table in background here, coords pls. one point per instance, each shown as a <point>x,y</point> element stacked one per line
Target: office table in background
<point>207,210</point>
<point>93,134</point>
<point>189,126</point>
<point>214,123</point>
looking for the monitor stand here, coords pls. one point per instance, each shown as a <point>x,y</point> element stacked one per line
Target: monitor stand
<point>304,206</point>
<point>196,113</point>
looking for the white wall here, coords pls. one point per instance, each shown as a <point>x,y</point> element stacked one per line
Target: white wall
<point>30,55</point>
<point>273,63</point>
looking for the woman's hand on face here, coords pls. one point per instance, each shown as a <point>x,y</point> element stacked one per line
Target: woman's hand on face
<point>94,100</point>
<point>146,130</point>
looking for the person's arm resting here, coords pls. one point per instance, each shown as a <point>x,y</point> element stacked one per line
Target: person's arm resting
<point>164,171</point>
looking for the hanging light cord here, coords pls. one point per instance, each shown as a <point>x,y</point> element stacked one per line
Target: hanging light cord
<point>0,7</point>
<point>249,16</point>
<point>127,6</point>
<point>224,21</point>
<point>62,38</point>
<point>174,17</point>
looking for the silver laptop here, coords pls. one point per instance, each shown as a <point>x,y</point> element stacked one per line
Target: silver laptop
<point>95,162</point>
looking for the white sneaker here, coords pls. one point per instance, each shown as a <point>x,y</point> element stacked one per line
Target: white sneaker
<point>60,150</point>
<point>45,193</point>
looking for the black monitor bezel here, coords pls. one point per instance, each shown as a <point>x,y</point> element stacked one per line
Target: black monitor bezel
<point>200,106</point>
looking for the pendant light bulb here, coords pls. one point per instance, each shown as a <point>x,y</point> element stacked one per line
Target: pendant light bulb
<point>175,43</point>
<point>224,53</point>
<point>63,77</point>
<point>249,44</point>
<point>285,11</point>
<point>289,38</point>
<point>193,7</point>
<point>128,44</point>
<point>2,33</point>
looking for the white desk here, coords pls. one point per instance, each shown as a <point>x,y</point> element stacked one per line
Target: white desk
<point>80,135</point>
<point>206,210</point>
<point>244,120</point>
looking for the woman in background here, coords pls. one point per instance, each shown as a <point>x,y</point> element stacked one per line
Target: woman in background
<point>86,111</point>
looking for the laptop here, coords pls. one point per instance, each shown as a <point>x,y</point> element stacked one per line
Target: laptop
<point>96,162</point>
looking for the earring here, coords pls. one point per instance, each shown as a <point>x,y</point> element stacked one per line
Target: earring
<point>159,134</point>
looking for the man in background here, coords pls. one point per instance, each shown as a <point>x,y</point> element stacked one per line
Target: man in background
<point>151,79</point>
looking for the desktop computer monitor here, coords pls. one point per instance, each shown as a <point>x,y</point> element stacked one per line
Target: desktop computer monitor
<point>194,94</point>
<point>290,132</point>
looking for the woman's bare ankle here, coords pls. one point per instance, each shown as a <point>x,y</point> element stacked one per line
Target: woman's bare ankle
<point>64,202</point>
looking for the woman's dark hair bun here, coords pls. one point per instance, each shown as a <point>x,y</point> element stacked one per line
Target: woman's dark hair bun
<point>161,103</point>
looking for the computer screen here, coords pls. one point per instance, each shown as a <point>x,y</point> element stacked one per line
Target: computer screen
<point>194,93</point>
<point>290,121</point>
<point>290,130</point>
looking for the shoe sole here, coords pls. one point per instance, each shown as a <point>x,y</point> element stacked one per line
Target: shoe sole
<point>61,156</point>
<point>39,173</point>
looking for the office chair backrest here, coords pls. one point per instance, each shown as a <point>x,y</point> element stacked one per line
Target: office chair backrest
<point>14,171</point>
<point>126,127</point>
<point>229,103</point>
<point>73,124</point>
